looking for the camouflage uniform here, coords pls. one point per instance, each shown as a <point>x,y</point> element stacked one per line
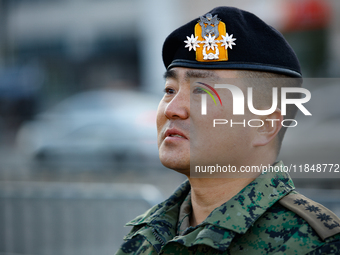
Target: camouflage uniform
<point>266,217</point>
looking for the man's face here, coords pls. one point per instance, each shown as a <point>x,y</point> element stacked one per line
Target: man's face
<point>185,136</point>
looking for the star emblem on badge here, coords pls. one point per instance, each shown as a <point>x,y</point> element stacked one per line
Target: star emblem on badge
<point>323,217</point>
<point>209,39</point>
<point>301,202</point>
<point>228,41</point>
<point>312,208</point>
<point>210,42</point>
<point>192,42</point>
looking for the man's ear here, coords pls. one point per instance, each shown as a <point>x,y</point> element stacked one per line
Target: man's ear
<point>266,133</point>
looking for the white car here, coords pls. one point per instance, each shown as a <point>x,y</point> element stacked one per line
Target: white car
<point>101,125</point>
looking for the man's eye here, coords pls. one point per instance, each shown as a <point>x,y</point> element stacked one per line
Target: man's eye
<point>199,91</point>
<point>169,91</point>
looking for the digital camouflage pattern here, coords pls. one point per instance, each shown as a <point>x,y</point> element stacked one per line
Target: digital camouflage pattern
<point>252,222</point>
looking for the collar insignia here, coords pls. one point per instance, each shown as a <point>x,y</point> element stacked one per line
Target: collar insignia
<point>211,40</point>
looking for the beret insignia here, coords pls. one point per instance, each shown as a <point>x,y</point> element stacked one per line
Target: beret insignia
<point>211,40</point>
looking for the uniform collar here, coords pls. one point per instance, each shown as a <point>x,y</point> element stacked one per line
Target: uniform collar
<point>175,200</point>
<point>239,213</point>
<point>163,217</point>
<point>184,215</point>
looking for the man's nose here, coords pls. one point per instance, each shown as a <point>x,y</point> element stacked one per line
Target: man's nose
<point>178,107</point>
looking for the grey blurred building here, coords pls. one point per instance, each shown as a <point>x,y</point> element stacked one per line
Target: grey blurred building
<point>88,43</point>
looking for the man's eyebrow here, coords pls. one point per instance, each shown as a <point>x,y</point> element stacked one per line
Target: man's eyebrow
<point>170,74</point>
<point>200,74</point>
<point>191,74</point>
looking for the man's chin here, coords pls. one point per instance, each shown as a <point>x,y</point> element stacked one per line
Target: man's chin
<point>181,166</point>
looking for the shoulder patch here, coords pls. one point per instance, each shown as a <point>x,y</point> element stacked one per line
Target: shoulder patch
<point>321,219</point>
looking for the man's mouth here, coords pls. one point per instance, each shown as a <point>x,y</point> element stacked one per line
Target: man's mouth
<point>173,135</point>
<point>172,132</point>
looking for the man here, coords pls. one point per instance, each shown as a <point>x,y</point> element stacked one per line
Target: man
<point>235,212</point>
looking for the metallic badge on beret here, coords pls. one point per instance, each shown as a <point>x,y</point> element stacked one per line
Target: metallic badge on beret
<point>209,25</point>
<point>211,33</point>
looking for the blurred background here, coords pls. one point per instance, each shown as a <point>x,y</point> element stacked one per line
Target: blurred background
<point>80,81</point>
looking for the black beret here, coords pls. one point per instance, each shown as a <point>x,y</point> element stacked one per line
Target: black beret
<point>230,38</point>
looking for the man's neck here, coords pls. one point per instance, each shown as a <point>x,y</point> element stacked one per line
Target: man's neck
<point>208,194</point>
